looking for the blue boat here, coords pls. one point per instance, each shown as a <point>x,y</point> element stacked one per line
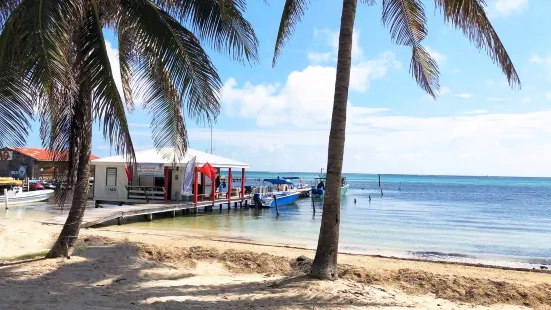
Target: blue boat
<point>285,194</point>
<point>318,188</point>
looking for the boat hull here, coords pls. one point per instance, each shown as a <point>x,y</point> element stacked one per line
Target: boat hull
<point>282,199</point>
<point>318,192</point>
<point>28,197</point>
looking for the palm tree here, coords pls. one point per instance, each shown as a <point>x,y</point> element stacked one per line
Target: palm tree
<point>407,22</point>
<point>54,63</point>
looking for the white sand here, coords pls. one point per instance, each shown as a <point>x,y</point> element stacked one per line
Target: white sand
<point>111,275</point>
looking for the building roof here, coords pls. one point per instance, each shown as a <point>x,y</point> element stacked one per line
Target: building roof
<point>42,154</point>
<point>152,156</point>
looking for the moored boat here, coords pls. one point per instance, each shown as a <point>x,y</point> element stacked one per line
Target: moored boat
<point>318,188</point>
<point>16,196</point>
<point>284,194</point>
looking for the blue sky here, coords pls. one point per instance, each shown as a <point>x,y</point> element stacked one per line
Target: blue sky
<point>277,119</point>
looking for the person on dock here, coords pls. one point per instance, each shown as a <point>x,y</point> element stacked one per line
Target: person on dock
<point>321,185</point>
<point>217,182</point>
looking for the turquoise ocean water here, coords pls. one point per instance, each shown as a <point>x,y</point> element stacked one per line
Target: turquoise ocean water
<point>497,220</point>
<point>504,220</point>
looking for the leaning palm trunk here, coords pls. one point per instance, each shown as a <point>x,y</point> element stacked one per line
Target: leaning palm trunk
<point>83,146</point>
<point>325,262</point>
<point>71,228</point>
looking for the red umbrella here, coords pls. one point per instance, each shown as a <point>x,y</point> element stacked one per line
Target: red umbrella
<point>208,170</point>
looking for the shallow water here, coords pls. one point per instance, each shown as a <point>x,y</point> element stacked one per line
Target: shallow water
<point>504,221</point>
<point>431,217</point>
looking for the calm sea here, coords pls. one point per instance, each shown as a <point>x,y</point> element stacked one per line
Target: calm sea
<point>500,220</point>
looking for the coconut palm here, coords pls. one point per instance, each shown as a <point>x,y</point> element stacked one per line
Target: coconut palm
<point>407,22</point>
<point>54,65</point>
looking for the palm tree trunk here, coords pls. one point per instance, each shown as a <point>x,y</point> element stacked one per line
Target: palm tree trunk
<point>325,262</point>
<point>83,130</point>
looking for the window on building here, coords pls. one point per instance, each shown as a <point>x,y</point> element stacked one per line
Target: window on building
<point>111,177</point>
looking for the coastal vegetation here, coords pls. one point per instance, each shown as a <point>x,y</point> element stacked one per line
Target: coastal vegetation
<point>407,22</point>
<point>54,67</point>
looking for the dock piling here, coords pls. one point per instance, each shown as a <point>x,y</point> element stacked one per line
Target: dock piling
<point>313,205</point>
<point>173,213</point>
<point>6,198</point>
<point>277,208</point>
<point>149,216</point>
<point>120,220</point>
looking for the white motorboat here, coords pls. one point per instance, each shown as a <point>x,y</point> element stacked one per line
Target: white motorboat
<point>16,196</point>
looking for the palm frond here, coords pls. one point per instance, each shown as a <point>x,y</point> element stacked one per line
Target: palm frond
<point>293,11</point>
<point>6,8</point>
<point>159,37</point>
<point>425,70</point>
<point>165,106</point>
<point>16,109</point>
<point>31,41</point>
<point>108,105</point>
<point>470,17</point>
<point>407,22</point>
<point>126,58</point>
<point>218,23</point>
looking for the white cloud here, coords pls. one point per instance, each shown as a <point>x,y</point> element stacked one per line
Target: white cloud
<point>306,99</point>
<point>477,112</point>
<point>507,7</point>
<point>444,91</point>
<point>526,99</point>
<point>319,57</point>
<point>548,96</point>
<point>438,57</point>
<point>113,54</point>
<point>478,144</point>
<point>331,38</point>
<point>464,95</point>
<point>542,61</point>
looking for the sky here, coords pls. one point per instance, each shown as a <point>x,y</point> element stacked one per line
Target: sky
<point>277,119</point>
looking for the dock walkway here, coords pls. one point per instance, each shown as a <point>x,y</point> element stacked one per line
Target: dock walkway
<point>108,212</point>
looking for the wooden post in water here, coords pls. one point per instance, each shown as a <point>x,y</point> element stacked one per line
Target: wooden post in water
<point>6,198</point>
<point>379,180</point>
<point>277,208</point>
<point>313,204</point>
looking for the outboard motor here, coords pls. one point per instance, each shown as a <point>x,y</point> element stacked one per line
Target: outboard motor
<point>257,200</point>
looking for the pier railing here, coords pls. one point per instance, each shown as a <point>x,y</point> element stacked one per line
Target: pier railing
<point>146,192</point>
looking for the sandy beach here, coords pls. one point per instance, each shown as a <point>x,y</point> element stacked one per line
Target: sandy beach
<point>119,267</point>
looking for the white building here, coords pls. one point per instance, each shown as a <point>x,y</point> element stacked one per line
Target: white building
<point>157,176</point>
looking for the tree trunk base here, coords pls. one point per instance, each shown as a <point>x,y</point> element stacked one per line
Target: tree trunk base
<point>59,249</point>
<point>324,272</point>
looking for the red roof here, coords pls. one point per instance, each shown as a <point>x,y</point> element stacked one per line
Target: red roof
<point>41,154</point>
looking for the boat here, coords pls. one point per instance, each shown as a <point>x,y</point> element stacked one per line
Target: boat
<point>285,194</point>
<point>16,196</point>
<point>304,189</point>
<point>318,188</point>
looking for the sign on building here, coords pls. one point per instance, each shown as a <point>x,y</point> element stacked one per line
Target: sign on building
<point>6,155</point>
<point>21,173</point>
<point>152,170</point>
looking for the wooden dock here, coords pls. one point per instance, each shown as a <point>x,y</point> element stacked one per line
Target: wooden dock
<point>106,213</point>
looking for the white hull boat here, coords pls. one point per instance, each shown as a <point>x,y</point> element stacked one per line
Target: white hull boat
<point>16,196</point>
